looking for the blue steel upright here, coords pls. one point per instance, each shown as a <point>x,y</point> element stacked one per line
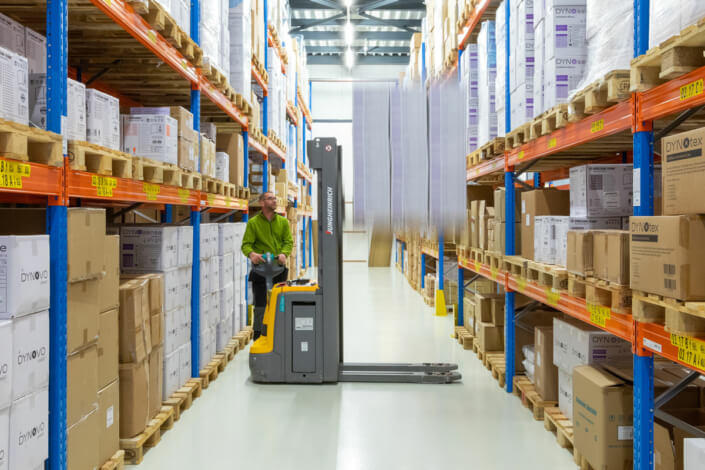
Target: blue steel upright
<point>246,167</point>
<point>57,73</point>
<point>644,206</point>
<point>509,217</point>
<point>461,294</point>
<point>423,270</point>
<point>195,291</point>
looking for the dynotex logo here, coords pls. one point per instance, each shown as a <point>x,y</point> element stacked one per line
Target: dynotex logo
<point>683,144</point>
<point>34,276</point>
<point>329,210</point>
<point>34,433</point>
<point>644,227</point>
<point>33,355</point>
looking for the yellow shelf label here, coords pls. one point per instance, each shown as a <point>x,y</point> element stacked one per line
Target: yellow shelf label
<point>690,350</point>
<point>210,198</point>
<point>494,272</point>
<point>692,89</point>
<point>478,265</point>
<point>152,36</point>
<point>228,201</point>
<point>599,314</point>
<point>103,185</point>
<point>597,126</point>
<point>151,190</point>
<point>521,154</point>
<point>552,298</point>
<point>184,195</point>
<point>552,143</point>
<point>11,174</point>
<point>521,284</point>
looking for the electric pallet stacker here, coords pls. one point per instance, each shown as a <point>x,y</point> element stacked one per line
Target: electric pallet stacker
<point>302,332</point>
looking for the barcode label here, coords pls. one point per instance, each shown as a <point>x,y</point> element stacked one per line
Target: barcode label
<point>596,182</point>
<point>669,284</point>
<point>669,269</point>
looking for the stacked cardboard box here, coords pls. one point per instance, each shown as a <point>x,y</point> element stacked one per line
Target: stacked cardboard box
<point>232,145</point>
<point>24,350</point>
<point>157,138</point>
<point>210,294</point>
<point>521,78</point>
<point>540,202</point>
<point>239,26</point>
<point>207,157</point>
<point>240,268</point>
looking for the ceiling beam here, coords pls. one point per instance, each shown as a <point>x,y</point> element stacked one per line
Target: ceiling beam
<point>358,50</point>
<point>314,4</point>
<point>310,24</point>
<point>359,60</point>
<point>329,4</point>
<point>381,22</point>
<point>296,23</point>
<point>359,35</point>
<point>391,5</point>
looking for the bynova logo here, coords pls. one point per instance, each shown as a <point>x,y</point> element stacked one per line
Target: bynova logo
<point>33,355</point>
<point>34,276</point>
<point>34,433</point>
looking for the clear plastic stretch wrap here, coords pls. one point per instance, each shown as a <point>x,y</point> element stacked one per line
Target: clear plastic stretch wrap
<point>500,81</point>
<point>487,66</point>
<point>668,18</point>
<point>469,84</point>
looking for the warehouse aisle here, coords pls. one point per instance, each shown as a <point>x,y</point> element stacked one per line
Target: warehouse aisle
<point>365,426</point>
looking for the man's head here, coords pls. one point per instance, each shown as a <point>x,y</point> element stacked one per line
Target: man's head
<point>268,200</point>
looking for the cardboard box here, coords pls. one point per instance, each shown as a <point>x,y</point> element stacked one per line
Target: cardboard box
<point>535,203</point>
<point>83,442</point>
<point>232,144</point>
<point>525,336</point>
<point>4,437</point>
<point>29,413</point>
<point>661,256</point>
<point>601,190</point>
<point>545,373</point>
<point>489,337</point>
<point>185,245</point>
<point>576,343</point>
<point>683,172</point>
<point>82,314</point>
<point>150,135</point>
<point>82,384</point>
<point>156,380</point>
<point>580,254</point>
<point>500,208</point>
<point>611,256</point>
<point>693,453</point>
<point>134,398</point>
<point>86,242</point>
<point>24,269</point>
<point>102,119</point>
<point>602,418</point>
<point>108,347</point>
<point>35,49</point>
<point>183,117</point>
<point>5,365</point>
<point>475,224</point>
<point>485,307</point>
<point>109,420</point>
<point>14,105</point>
<point>596,223</point>
<point>188,147</point>
<point>30,353</point>
<point>185,362</point>
<point>207,157</point>
<point>132,319</point>
<point>565,393</point>
<point>12,35</point>
<point>109,283</point>
<point>148,248</point>
<point>171,374</point>
<point>550,239</point>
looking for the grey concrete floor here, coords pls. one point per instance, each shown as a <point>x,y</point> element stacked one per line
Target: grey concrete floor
<point>469,425</point>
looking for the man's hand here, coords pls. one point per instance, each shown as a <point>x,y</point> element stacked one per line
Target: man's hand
<point>282,259</point>
<point>256,258</point>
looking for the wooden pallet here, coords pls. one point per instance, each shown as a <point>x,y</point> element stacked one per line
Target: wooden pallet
<point>465,338</point>
<point>498,368</point>
<point>93,158</point>
<point>135,447</point>
<point>526,391</point>
<point>190,180</point>
<point>679,317</point>
<point>489,151</point>
<point>477,255</point>
<point>493,259</point>
<point>549,121</point>
<point>617,298</point>
<point>215,76</point>
<point>600,95</point>
<point>116,462</point>
<point>231,349</point>
<point>581,461</point>
<point>153,171</point>
<point>672,58</point>
<point>28,144</point>
<point>515,265</point>
<point>520,135</point>
<point>209,373</point>
<point>182,399</point>
<point>556,422</point>
<point>547,275</point>
<point>213,185</point>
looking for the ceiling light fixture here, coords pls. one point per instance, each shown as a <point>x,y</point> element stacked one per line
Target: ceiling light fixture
<point>349,33</point>
<point>349,58</point>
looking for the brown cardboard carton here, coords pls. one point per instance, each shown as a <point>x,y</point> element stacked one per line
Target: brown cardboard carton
<point>694,417</point>
<point>580,254</point>
<point>232,144</point>
<point>484,307</point>
<point>485,217</point>
<point>184,118</point>
<point>157,329</point>
<point>82,442</point>
<point>154,284</point>
<point>665,253</point>
<point>475,224</point>
<point>81,384</point>
<point>109,421</point>
<point>134,398</point>
<point>86,233</point>
<point>611,256</point>
<point>108,347</point>
<point>539,202</point>
<point>545,373</point>
<point>132,321</point>
<point>602,418</point>
<point>489,337</point>
<point>156,378</point>
<point>523,336</point>
<point>599,254</point>
<point>188,146</point>
<point>81,314</point>
<point>109,283</point>
<point>500,204</point>
<point>683,172</point>
<point>500,234</point>
<point>498,314</point>
<point>664,453</point>
<point>469,314</point>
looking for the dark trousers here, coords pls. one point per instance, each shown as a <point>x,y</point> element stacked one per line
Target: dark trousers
<point>259,292</point>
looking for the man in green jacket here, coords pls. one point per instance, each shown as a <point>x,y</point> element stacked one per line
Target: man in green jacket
<point>267,232</point>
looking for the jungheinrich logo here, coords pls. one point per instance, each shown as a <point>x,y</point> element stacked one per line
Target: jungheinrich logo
<point>644,227</point>
<point>31,276</point>
<point>329,208</point>
<point>34,433</point>
<point>33,355</point>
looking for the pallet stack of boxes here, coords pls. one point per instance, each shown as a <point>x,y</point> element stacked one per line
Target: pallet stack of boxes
<point>240,270</point>
<point>226,259</point>
<point>210,294</point>
<point>24,351</point>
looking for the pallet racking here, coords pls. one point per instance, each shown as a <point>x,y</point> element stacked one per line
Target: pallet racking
<point>120,28</point>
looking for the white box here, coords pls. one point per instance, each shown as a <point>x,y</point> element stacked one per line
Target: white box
<point>76,106</point>
<point>205,276</point>
<point>148,248</point>
<point>14,99</point>
<point>185,362</point>
<point>226,238</point>
<point>4,438</point>
<point>29,431</point>
<point>222,166</point>
<point>151,136</point>
<point>204,308</point>
<point>601,190</point>
<point>35,46</point>
<point>5,365</point>
<point>102,119</point>
<point>185,280</point>
<point>565,393</point>
<point>550,239</point>
<point>226,302</point>
<point>214,274</point>
<point>24,275</point>
<point>30,353</point>
<point>171,283</point>
<point>561,77</point>
<point>581,344</point>
<point>12,35</point>
<point>565,29</point>
<point>172,330</point>
<point>214,313</point>
<point>693,454</point>
<point>226,269</point>
<point>595,223</point>
<point>224,332</point>
<point>172,376</point>
<point>185,245</point>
